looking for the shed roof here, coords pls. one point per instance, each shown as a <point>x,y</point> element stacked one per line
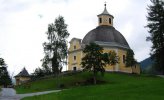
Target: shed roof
<point>23,73</point>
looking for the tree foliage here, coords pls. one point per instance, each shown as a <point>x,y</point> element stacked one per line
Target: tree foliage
<point>95,60</point>
<point>5,79</point>
<point>45,65</point>
<point>155,27</point>
<point>56,47</point>
<point>129,60</point>
<point>38,72</point>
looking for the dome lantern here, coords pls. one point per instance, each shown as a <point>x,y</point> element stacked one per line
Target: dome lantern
<point>105,18</point>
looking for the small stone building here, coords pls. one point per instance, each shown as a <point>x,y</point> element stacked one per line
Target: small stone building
<point>22,77</point>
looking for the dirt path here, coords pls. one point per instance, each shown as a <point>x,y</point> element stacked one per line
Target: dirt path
<point>10,94</point>
<point>37,93</point>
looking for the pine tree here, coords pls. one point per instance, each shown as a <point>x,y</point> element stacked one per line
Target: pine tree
<point>5,79</point>
<point>155,27</point>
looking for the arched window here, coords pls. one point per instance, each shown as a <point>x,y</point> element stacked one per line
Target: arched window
<point>110,21</point>
<point>100,20</point>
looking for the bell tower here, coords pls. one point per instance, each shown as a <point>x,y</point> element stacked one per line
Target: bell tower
<point>105,18</point>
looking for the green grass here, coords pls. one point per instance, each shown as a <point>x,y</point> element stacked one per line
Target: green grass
<point>51,83</point>
<point>118,87</point>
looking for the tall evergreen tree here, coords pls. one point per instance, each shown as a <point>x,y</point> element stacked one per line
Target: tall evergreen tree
<point>95,60</point>
<point>5,79</point>
<point>56,47</point>
<point>155,27</point>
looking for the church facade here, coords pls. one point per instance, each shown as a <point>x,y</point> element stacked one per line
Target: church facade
<point>106,36</point>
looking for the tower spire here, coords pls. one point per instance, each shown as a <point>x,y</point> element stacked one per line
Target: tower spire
<point>105,4</point>
<point>105,10</point>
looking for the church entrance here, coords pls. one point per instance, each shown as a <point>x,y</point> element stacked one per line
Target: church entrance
<point>74,68</point>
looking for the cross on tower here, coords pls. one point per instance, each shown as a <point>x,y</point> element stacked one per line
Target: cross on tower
<point>105,4</point>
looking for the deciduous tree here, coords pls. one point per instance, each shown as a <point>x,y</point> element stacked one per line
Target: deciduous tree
<point>130,60</point>
<point>56,47</point>
<point>95,60</point>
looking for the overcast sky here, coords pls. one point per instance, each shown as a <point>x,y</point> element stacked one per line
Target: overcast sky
<point>23,24</point>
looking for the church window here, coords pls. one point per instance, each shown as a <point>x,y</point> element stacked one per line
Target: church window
<point>123,58</point>
<point>100,20</point>
<point>110,21</point>
<point>74,57</point>
<point>74,47</point>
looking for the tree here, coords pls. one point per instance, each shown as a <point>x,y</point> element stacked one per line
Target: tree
<point>129,60</point>
<point>95,60</point>
<point>5,79</point>
<point>45,64</point>
<point>38,73</point>
<point>155,27</point>
<point>56,47</point>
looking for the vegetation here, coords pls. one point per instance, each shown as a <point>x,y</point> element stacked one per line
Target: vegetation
<point>56,47</point>
<point>45,68</point>
<point>5,79</point>
<point>117,87</point>
<point>71,79</point>
<point>155,25</point>
<point>129,60</point>
<point>95,60</point>
<point>39,73</point>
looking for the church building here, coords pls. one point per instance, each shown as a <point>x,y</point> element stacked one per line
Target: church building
<point>106,36</point>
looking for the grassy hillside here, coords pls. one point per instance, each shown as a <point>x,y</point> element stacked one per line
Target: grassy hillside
<point>52,83</point>
<point>118,87</point>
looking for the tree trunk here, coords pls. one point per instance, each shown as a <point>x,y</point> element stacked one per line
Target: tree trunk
<point>94,78</point>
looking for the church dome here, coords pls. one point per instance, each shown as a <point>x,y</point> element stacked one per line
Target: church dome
<point>107,36</point>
